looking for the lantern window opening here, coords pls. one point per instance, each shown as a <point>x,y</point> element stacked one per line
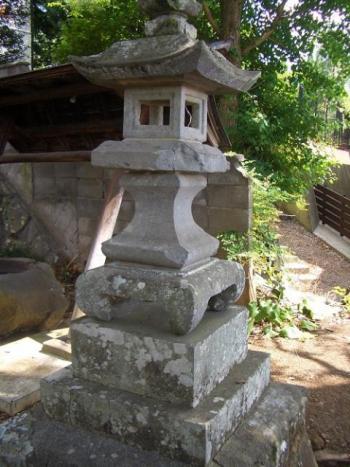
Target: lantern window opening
<point>192,113</point>
<point>154,112</point>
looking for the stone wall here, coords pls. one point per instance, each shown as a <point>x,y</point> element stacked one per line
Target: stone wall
<point>66,200</point>
<point>20,232</point>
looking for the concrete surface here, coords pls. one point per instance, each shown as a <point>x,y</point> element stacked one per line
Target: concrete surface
<point>333,239</point>
<point>22,365</point>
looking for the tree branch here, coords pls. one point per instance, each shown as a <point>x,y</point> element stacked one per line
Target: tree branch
<point>211,19</point>
<point>280,15</point>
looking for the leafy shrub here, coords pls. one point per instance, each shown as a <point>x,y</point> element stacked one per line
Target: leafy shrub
<point>269,312</point>
<point>344,295</point>
<point>261,244</point>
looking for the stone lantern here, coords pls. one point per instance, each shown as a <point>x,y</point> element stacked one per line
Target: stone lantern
<point>161,362</point>
<point>162,259</point>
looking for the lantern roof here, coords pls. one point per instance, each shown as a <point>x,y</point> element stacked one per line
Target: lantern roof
<point>170,55</point>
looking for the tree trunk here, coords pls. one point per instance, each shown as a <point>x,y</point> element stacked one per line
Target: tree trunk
<point>231,11</point>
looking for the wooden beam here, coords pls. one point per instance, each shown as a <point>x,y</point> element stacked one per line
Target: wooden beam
<point>59,92</point>
<point>59,156</point>
<point>105,228</point>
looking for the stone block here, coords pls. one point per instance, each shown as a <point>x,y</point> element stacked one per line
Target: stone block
<point>202,198</point>
<point>46,170</point>
<point>127,210</point>
<point>86,170</point>
<point>85,242</point>
<point>273,434</point>
<point>24,441</point>
<point>229,196</point>
<point>200,215</point>
<point>66,187</point>
<point>87,225</point>
<point>65,170</point>
<point>90,188</point>
<point>136,358</point>
<point>235,176</point>
<point>189,435</point>
<point>108,173</point>
<point>89,207</point>
<point>162,231</point>
<point>159,155</point>
<point>120,226</point>
<point>222,220</point>
<point>176,300</point>
<point>44,188</point>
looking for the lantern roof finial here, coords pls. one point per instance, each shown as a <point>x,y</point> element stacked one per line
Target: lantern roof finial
<point>156,8</point>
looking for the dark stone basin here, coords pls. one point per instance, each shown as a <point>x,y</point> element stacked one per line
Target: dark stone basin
<point>14,265</point>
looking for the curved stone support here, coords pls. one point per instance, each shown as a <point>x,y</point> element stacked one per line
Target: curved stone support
<point>162,231</point>
<point>178,299</point>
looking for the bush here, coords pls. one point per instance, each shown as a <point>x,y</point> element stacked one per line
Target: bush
<point>262,247</point>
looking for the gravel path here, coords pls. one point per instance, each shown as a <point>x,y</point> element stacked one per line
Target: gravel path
<point>330,267</point>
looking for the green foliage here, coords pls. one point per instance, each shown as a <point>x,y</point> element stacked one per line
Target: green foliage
<point>262,244</point>
<point>344,294</point>
<point>270,312</point>
<point>275,128</point>
<point>13,17</point>
<point>93,25</point>
<point>277,319</point>
<point>47,18</point>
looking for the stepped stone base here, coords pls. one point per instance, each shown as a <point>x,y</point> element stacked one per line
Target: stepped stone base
<point>133,356</point>
<point>273,435</point>
<point>189,435</point>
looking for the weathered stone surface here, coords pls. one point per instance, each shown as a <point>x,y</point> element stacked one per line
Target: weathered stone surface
<point>170,24</point>
<point>180,298</point>
<point>170,58</point>
<point>172,113</point>
<point>32,440</point>
<point>30,296</point>
<point>273,435</point>
<point>162,231</point>
<point>24,442</point>
<point>132,356</point>
<point>160,155</point>
<point>189,435</point>
<point>22,365</point>
<point>158,7</point>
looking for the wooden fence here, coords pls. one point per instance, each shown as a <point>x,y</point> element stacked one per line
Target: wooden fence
<point>333,209</point>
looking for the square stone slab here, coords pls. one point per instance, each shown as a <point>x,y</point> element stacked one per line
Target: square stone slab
<point>273,435</point>
<point>173,430</point>
<point>131,355</point>
<point>22,365</point>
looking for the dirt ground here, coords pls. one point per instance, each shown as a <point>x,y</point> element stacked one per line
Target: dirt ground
<point>320,364</point>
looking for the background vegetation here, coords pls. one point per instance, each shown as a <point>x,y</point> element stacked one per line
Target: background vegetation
<point>301,48</point>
